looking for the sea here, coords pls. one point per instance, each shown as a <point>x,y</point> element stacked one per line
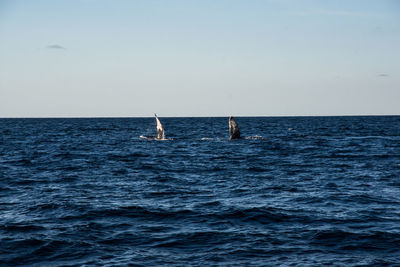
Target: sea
<point>294,191</point>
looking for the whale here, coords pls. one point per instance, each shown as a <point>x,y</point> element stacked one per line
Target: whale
<point>234,132</point>
<point>160,129</point>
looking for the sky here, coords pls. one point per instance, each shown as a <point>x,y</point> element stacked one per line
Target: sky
<point>120,58</point>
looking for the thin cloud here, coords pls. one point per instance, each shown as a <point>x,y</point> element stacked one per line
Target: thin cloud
<point>55,46</point>
<point>383,75</point>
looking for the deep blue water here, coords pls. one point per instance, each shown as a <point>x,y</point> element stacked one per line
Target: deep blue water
<point>317,191</point>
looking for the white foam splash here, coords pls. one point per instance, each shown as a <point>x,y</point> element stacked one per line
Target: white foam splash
<point>255,137</point>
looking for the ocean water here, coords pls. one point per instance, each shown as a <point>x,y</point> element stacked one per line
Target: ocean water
<point>296,191</point>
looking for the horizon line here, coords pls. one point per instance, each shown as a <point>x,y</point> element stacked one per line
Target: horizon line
<point>218,116</point>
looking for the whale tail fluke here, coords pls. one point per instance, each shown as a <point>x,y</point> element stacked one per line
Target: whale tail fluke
<point>234,132</point>
<point>160,129</point>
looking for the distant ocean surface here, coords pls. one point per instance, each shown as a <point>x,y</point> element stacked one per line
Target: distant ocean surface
<point>296,191</point>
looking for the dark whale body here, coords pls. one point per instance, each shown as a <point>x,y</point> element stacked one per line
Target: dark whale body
<point>234,132</point>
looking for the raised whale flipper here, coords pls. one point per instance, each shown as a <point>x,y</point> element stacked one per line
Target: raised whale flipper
<point>234,132</point>
<point>160,129</point>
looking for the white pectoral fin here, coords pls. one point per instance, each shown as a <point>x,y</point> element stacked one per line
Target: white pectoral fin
<point>160,129</point>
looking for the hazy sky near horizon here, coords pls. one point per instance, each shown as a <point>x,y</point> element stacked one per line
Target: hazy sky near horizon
<point>199,58</point>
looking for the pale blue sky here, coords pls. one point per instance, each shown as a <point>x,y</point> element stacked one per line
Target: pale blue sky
<point>199,58</point>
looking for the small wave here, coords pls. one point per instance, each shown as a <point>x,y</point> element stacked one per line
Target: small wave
<point>209,204</point>
<point>394,138</point>
<point>260,215</point>
<point>257,169</point>
<point>20,162</point>
<point>137,212</point>
<point>194,239</point>
<point>356,241</point>
<point>29,181</point>
<point>207,139</point>
<point>22,228</point>
<point>92,129</point>
<point>27,243</point>
<point>127,157</point>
